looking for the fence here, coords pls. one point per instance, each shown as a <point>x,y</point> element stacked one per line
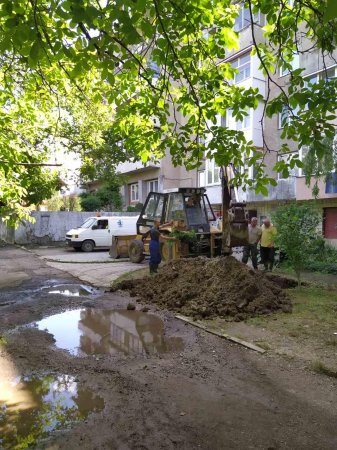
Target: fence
<point>48,226</point>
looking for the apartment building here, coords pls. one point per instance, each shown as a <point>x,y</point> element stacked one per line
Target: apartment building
<point>293,188</point>
<point>163,177</point>
<point>159,177</point>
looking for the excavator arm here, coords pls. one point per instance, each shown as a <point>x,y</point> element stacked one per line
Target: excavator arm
<point>234,214</point>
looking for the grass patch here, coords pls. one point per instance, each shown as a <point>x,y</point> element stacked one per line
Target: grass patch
<point>307,332</point>
<point>314,312</point>
<point>3,341</point>
<point>319,367</point>
<point>132,275</point>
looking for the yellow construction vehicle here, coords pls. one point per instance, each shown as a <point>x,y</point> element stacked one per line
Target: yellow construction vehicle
<point>188,224</point>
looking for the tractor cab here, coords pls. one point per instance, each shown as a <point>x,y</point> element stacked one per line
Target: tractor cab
<point>187,209</point>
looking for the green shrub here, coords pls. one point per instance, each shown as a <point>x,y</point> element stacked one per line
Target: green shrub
<point>297,234</point>
<point>136,208</point>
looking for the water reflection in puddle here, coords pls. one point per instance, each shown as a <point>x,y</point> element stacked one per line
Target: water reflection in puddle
<point>73,290</point>
<point>32,407</point>
<point>100,331</point>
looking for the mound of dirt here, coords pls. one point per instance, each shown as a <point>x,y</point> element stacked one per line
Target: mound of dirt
<point>208,288</point>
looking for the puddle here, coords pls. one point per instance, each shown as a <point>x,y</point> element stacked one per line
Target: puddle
<point>93,331</point>
<point>32,407</point>
<point>72,290</point>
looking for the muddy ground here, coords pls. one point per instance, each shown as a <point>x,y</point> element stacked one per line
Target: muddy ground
<point>207,394</point>
<point>210,288</point>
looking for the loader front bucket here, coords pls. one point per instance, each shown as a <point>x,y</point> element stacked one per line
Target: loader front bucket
<point>239,234</point>
<point>238,225</point>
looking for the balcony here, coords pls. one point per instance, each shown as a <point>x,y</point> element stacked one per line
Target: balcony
<point>285,190</point>
<point>133,167</point>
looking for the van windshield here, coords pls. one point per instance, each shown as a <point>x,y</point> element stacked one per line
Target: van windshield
<point>88,223</point>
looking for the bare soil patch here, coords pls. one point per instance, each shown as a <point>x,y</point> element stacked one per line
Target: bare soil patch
<point>208,288</point>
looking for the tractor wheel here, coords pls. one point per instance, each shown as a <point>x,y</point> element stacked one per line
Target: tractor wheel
<point>88,246</point>
<point>136,251</point>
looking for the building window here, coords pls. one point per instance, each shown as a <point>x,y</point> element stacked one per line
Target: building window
<point>325,75</point>
<point>243,19</point>
<point>242,64</point>
<point>331,183</point>
<point>284,117</point>
<point>213,172</point>
<point>295,64</point>
<point>292,172</point>
<point>238,124</point>
<point>201,178</point>
<point>152,186</point>
<point>329,74</point>
<point>134,195</point>
<point>311,80</point>
<point>243,124</point>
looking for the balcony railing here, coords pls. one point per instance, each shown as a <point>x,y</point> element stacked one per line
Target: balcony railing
<point>285,190</point>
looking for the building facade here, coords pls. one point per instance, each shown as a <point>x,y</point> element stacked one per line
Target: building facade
<point>141,179</point>
<point>163,177</point>
<point>293,188</point>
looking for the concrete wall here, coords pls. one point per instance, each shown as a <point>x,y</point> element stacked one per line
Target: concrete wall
<point>49,226</point>
<point>6,233</point>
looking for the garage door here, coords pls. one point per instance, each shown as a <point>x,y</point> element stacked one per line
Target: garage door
<point>330,223</point>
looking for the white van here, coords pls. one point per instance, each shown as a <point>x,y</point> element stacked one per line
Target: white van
<point>97,232</point>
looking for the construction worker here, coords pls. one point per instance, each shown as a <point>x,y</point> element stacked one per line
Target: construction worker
<point>155,236</point>
<point>267,250</point>
<point>254,236</point>
<point>155,256</point>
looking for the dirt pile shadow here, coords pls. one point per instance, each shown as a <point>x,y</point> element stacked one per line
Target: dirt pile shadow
<point>206,288</point>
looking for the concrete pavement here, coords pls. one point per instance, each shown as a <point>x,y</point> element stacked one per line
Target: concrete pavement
<point>96,268</point>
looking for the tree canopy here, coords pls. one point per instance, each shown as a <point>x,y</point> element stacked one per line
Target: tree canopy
<point>132,79</point>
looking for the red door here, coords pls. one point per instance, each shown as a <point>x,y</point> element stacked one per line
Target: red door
<point>330,223</point>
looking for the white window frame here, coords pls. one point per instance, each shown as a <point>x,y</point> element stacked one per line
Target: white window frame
<point>242,67</point>
<point>239,125</point>
<point>243,19</point>
<point>320,75</point>
<point>152,185</point>
<point>134,192</point>
<point>292,172</point>
<point>215,173</point>
<point>288,118</point>
<point>201,178</point>
<point>244,124</point>
<point>295,64</point>
<point>251,169</point>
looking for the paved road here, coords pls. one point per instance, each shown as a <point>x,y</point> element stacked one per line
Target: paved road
<point>195,391</point>
<point>96,268</point>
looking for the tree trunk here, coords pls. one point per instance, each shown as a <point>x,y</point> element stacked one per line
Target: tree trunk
<point>298,275</point>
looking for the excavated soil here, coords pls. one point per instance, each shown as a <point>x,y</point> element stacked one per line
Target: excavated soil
<point>207,288</point>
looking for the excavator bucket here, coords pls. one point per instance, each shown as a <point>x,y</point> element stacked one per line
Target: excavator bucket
<point>238,220</point>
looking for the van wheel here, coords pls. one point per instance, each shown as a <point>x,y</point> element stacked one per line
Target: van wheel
<point>87,246</point>
<point>136,251</point>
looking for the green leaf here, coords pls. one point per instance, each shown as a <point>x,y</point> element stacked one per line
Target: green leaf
<point>35,51</point>
<point>331,10</point>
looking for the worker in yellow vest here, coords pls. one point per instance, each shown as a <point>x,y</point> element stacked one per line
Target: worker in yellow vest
<point>267,244</point>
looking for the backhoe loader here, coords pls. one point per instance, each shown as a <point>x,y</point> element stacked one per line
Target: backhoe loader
<point>188,223</point>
